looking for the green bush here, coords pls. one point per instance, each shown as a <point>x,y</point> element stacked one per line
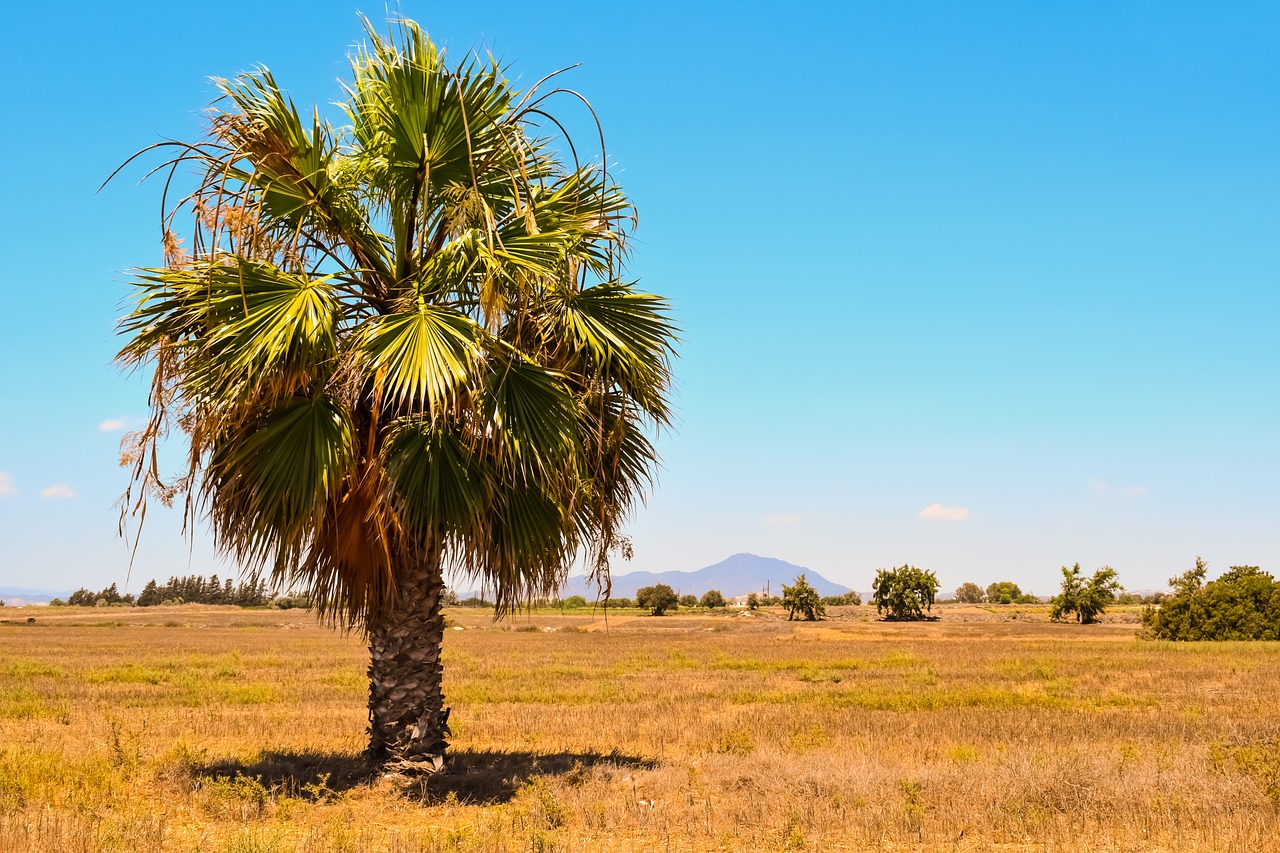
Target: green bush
<point>1087,599</point>
<point>1243,604</point>
<point>848,599</point>
<point>905,592</point>
<point>712,599</point>
<point>688,601</point>
<point>753,601</point>
<point>657,599</point>
<point>574,602</point>
<point>970,593</point>
<point>1007,592</point>
<point>619,603</point>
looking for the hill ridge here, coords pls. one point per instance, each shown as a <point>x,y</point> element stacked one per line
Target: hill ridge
<point>737,574</point>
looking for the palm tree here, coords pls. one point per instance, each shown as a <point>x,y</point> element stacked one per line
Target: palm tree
<point>398,348</point>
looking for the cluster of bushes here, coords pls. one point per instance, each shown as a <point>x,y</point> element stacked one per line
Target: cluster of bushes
<point>1001,592</point>
<point>660,598</point>
<point>193,589</point>
<point>1242,604</point>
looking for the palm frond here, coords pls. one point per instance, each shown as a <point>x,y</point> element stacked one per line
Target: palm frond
<point>269,484</point>
<point>421,356</point>
<point>623,336</point>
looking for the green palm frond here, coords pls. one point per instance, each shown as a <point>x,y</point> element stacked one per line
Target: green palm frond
<point>240,325</point>
<point>438,478</point>
<point>532,414</point>
<point>268,485</point>
<point>623,336</point>
<point>423,355</point>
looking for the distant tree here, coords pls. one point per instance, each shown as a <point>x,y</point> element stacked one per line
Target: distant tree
<point>150,595</point>
<point>574,602</point>
<point>82,598</point>
<point>619,603</point>
<point>712,599</point>
<point>1008,592</point>
<point>753,601</point>
<point>970,593</point>
<point>1243,604</point>
<point>1191,581</point>
<point>450,598</point>
<point>905,592</point>
<point>802,599</point>
<point>688,600</point>
<point>2,604</point>
<point>1087,599</point>
<point>657,599</point>
<point>475,601</point>
<point>848,599</point>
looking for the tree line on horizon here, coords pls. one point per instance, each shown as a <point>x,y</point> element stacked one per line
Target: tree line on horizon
<point>1242,604</point>
<point>191,589</point>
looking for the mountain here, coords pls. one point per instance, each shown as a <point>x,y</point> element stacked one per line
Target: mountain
<point>16,595</point>
<point>738,575</point>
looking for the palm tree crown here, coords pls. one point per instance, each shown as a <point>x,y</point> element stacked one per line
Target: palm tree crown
<point>407,333</point>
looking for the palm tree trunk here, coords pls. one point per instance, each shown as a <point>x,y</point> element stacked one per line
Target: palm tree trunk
<point>408,722</point>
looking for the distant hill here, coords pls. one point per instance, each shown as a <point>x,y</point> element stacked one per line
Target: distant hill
<point>738,575</point>
<point>16,596</point>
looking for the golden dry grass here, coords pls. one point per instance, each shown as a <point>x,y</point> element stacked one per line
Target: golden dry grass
<point>227,731</point>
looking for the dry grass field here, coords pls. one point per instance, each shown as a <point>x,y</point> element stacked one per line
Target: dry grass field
<point>226,731</point>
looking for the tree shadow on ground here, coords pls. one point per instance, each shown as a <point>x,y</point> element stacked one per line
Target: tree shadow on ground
<point>472,776</point>
<point>487,777</point>
<point>307,774</point>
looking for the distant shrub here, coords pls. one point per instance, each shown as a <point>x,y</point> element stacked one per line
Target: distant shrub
<point>970,593</point>
<point>474,601</point>
<point>619,603</point>
<point>905,592</point>
<point>657,599</point>
<point>848,599</point>
<point>711,599</point>
<point>291,602</point>
<point>688,601</point>
<point>753,601</point>
<point>1243,604</point>
<point>574,602</point>
<point>1087,599</point>
<point>802,599</point>
<point>1007,592</point>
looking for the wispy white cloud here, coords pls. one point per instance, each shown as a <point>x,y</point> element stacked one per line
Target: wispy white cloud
<point>938,512</point>
<point>59,491</point>
<point>1102,488</point>
<point>6,485</point>
<point>781,520</point>
<point>113,425</point>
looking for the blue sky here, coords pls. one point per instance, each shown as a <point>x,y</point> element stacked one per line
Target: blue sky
<point>988,287</point>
